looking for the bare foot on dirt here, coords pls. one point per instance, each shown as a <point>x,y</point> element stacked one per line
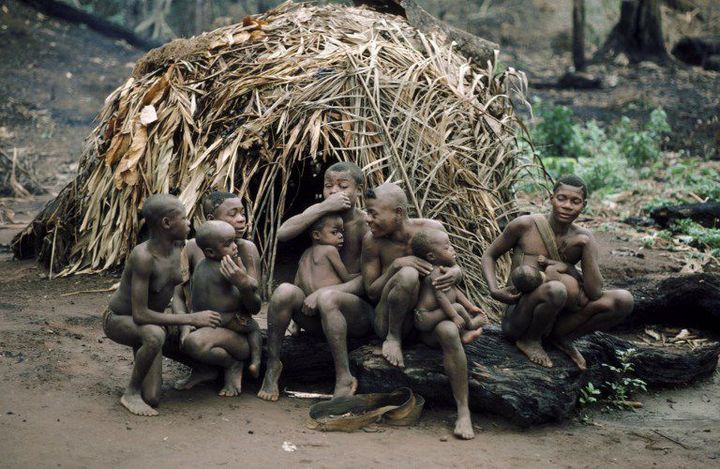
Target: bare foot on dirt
<point>197,376</point>
<point>392,351</point>
<point>567,347</point>
<point>535,352</point>
<point>345,387</point>
<point>135,404</point>
<point>269,390</point>
<point>463,427</point>
<point>233,381</point>
<point>469,336</point>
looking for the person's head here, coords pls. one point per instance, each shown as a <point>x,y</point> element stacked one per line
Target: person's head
<point>164,213</point>
<point>433,246</point>
<point>328,230</point>
<point>227,207</point>
<point>526,278</point>
<point>216,239</point>
<point>386,209</point>
<point>345,177</point>
<point>569,198</point>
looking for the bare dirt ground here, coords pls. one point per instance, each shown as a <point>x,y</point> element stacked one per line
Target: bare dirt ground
<point>61,379</point>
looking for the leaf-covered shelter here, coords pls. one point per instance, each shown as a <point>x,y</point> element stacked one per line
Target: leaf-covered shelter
<point>257,108</point>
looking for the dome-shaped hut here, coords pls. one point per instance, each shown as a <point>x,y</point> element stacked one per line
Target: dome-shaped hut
<point>260,107</point>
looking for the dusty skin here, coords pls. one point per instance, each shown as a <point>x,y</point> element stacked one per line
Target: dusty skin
<point>434,305</point>
<point>221,283</point>
<point>544,312</point>
<point>135,316</point>
<point>391,275</point>
<point>334,311</point>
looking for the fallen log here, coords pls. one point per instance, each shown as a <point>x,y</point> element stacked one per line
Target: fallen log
<point>107,28</point>
<point>502,380</point>
<point>689,300</point>
<point>706,214</point>
<point>696,50</point>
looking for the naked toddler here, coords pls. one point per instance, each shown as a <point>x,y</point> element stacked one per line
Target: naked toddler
<point>434,305</point>
<point>221,283</point>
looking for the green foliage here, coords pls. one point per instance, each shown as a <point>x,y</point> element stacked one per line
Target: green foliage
<point>618,390</point>
<point>702,238</point>
<point>607,159</point>
<point>589,394</point>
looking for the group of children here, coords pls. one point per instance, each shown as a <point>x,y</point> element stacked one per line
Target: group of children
<point>222,291</point>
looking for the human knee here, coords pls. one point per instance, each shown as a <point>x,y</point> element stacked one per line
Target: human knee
<point>555,293</point>
<point>624,302</point>
<point>152,336</point>
<point>407,277</point>
<point>327,301</point>
<point>193,345</point>
<point>282,293</point>
<point>447,333</point>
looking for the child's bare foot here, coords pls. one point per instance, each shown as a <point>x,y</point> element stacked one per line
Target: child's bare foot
<point>535,352</point>
<point>571,351</point>
<point>233,381</point>
<point>345,387</point>
<point>269,390</point>
<point>463,427</point>
<point>135,404</point>
<point>392,351</point>
<point>197,376</point>
<point>469,336</point>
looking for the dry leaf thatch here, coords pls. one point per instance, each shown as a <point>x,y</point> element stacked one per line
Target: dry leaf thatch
<point>246,106</point>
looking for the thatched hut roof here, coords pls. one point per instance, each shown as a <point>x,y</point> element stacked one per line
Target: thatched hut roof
<point>246,107</point>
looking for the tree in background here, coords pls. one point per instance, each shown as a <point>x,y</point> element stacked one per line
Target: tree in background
<point>638,33</point>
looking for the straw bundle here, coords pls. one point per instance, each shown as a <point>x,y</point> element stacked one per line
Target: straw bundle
<point>244,107</point>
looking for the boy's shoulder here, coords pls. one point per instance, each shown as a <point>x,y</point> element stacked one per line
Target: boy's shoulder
<point>140,256</point>
<point>322,249</point>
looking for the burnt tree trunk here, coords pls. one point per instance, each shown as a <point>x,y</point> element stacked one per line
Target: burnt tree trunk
<point>578,40</point>
<point>706,214</point>
<point>638,33</point>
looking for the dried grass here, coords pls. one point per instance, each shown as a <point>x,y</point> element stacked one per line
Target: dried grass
<point>245,106</point>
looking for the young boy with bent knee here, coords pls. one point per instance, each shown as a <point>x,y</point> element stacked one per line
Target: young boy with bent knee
<point>220,283</point>
<point>320,265</point>
<point>434,305</point>
<point>135,316</point>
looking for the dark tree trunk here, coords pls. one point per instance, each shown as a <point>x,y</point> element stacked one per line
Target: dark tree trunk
<point>578,43</point>
<point>706,214</point>
<point>638,33</point>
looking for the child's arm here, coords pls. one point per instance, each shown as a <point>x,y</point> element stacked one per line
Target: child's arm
<point>442,301</point>
<point>140,264</point>
<point>236,274</point>
<point>472,309</point>
<point>337,264</point>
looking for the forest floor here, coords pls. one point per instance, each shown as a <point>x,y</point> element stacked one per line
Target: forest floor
<point>62,378</point>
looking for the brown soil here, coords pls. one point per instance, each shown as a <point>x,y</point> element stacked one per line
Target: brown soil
<point>62,378</point>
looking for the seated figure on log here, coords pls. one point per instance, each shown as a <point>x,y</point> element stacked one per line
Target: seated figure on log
<point>555,310</point>
<point>135,317</point>
<point>434,305</point>
<point>333,311</point>
<point>227,207</point>
<point>220,283</point>
<point>391,275</point>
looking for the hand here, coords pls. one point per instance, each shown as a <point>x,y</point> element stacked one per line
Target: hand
<point>459,322</point>
<point>234,271</point>
<point>309,307</point>
<point>184,332</point>
<point>205,318</point>
<point>337,202</point>
<point>422,266</point>
<point>446,280</point>
<point>507,295</point>
<point>542,261</point>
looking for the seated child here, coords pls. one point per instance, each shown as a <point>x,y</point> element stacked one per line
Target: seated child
<point>435,306</point>
<point>221,283</point>
<point>320,265</point>
<point>527,278</point>
<point>135,316</point>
